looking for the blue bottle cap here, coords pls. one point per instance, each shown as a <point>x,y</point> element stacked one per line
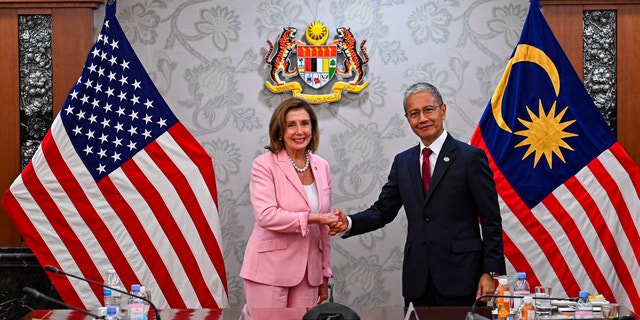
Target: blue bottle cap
<point>522,275</point>
<point>106,292</point>
<point>112,310</point>
<point>135,287</point>
<point>584,294</point>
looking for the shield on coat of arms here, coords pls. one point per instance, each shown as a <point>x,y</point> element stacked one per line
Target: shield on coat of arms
<point>317,64</point>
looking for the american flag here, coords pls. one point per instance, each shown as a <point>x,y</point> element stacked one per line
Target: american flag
<point>569,193</point>
<point>118,182</point>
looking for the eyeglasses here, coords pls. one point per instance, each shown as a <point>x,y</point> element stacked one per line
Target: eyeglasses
<point>427,111</point>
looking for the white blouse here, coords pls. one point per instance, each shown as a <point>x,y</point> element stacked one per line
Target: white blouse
<point>312,195</point>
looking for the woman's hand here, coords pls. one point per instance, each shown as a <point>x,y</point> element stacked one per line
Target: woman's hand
<point>323,290</point>
<point>324,218</point>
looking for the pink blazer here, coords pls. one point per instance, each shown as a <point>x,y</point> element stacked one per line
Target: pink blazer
<point>283,246</point>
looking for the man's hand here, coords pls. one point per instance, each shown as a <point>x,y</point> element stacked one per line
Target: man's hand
<point>486,285</point>
<point>339,226</point>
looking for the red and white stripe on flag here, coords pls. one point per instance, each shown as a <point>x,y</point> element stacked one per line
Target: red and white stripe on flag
<point>118,182</point>
<point>552,241</point>
<point>160,230</point>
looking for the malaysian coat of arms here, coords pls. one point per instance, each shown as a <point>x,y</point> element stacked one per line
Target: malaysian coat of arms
<point>316,63</point>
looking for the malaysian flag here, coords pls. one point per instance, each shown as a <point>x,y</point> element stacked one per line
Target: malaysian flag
<point>568,191</point>
<point>118,182</point>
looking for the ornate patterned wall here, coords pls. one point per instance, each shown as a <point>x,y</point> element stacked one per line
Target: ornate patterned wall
<point>207,59</point>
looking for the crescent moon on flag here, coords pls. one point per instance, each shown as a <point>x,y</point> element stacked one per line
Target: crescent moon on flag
<point>524,53</point>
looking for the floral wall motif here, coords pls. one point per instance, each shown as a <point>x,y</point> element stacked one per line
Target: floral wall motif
<point>207,58</point>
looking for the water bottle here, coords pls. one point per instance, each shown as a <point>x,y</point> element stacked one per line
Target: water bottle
<point>521,288</point>
<point>503,303</point>
<point>109,299</point>
<point>527,310</point>
<point>146,294</point>
<point>584,309</point>
<point>135,308</point>
<point>111,279</point>
<point>112,313</point>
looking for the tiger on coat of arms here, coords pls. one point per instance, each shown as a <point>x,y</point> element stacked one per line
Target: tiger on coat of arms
<point>280,61</point>
<point>346,43</point>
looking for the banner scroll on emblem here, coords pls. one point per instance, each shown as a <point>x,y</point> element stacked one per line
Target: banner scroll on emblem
<point>317,63</point>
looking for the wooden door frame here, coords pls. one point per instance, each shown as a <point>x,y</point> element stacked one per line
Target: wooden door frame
<point>565,17</point>
<point>72,37</point>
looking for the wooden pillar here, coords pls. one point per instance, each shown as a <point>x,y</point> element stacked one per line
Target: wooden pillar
<point>72,38</point>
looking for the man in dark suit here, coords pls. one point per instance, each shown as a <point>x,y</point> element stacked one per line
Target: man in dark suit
<point>449,260</point>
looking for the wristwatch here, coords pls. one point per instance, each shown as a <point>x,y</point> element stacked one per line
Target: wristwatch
<point>493,274</point>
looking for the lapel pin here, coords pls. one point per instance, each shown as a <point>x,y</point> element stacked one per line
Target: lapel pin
<point>446,159</point>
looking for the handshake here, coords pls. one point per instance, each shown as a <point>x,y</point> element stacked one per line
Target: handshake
<point>336,220</point>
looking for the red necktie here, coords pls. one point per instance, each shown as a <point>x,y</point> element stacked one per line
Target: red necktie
<point>426,170</point>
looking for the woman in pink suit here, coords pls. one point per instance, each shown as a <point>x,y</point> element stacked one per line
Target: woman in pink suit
<point>287,259</point>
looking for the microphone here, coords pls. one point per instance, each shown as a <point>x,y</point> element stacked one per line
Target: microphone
<point>56,270</point>
<point>40,295</point>
<point>331,310</point>
<point>472,315</point>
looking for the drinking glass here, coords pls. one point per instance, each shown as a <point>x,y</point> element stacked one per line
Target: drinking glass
<point>543,306</point>
<point>610,310</point>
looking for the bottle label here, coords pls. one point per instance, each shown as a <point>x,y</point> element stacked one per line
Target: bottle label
<point>135,311</point>
<point>505,299</point>
<point>584,314</point>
